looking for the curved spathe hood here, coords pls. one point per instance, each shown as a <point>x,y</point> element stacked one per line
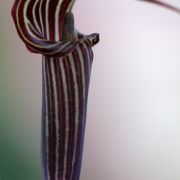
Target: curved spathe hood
<point>39,24</point>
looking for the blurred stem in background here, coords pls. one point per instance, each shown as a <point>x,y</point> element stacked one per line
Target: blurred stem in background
<point>164,4</point>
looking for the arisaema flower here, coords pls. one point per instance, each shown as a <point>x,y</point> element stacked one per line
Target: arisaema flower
<point>46,27</point>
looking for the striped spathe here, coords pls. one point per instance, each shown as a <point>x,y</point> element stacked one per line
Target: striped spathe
<point>66,68</point>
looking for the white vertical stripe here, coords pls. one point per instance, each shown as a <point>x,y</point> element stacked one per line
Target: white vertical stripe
<point>40,16</point>
<point>58,8</point>
<point>88,59</point>
<point>67,118</point>
<point>47,19</point>
<point>70,6</point>
<point>34,16</point>
<point>76,110</point>
<point>25,13</point>
<point>83,81</point>
<point>56,116</point>
<point>82,69</point>
<point>57,20</point>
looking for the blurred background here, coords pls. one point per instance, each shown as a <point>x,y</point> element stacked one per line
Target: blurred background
<point>133,118</point>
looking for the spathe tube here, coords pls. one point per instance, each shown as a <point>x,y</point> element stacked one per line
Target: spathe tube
<point>47,27</point>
